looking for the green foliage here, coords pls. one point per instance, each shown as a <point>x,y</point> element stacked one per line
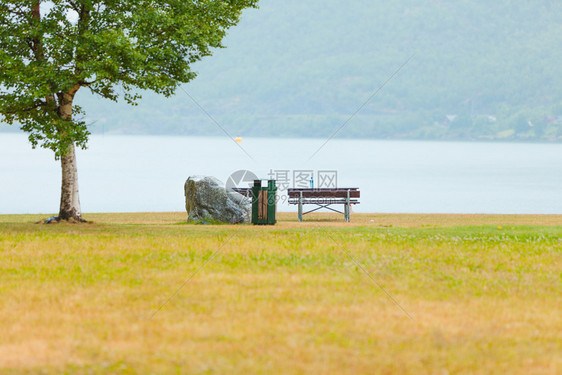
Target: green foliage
<point>49,50</point>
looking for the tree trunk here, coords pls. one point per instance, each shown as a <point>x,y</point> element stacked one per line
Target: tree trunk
<point>69,198</point>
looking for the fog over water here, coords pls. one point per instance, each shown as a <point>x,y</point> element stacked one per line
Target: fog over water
<point>142,173</point>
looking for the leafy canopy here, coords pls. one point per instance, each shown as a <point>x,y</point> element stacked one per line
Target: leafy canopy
<point>49,50</point>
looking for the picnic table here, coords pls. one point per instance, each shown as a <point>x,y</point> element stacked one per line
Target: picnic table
<point>324,198</point>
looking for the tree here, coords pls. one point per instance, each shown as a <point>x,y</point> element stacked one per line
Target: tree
<point>51,49</point>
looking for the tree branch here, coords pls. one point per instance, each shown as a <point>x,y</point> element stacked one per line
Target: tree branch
<point>35,106</point>
<point>37,46</point>
<point>74,6</point>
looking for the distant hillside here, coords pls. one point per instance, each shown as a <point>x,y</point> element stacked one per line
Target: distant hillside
<point>480,70</point>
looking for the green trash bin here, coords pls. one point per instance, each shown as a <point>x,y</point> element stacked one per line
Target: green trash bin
<point>264,203</point>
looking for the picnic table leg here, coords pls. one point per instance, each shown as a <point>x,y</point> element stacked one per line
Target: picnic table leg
<point>347,208</point>
<point>300,207</point>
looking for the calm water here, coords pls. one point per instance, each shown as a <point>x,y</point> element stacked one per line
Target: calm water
<point>141,173</point>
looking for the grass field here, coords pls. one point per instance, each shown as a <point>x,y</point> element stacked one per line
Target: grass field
<point>389,294</point>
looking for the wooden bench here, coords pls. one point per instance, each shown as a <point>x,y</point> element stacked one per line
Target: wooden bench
<point>247,192</point>
<point>324,198</point>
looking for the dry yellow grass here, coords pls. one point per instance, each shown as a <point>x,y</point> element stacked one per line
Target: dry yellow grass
<point>287,219</point>
<point>143,293</point>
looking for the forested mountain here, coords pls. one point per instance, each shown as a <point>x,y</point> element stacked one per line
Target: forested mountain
<point>480,70</point>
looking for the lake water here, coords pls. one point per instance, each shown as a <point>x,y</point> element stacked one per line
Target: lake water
<point>142,173</point>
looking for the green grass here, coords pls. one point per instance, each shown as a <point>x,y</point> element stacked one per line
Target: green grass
<point>137,293</point>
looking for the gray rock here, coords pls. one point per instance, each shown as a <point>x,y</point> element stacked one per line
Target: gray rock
<point>207,199</point>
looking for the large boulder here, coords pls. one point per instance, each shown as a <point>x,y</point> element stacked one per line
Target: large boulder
<point>206,198</point>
